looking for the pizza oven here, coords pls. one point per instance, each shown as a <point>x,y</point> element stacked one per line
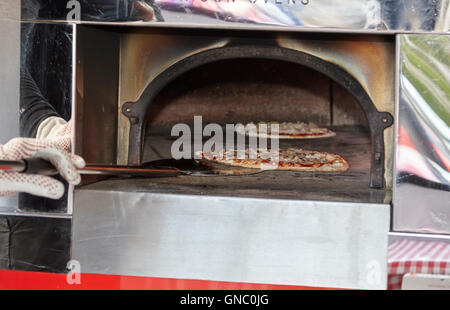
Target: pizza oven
<point>130,72</point>
<point>155,78</point>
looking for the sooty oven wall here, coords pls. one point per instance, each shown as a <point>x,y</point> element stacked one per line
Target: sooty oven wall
<point>244,90</point>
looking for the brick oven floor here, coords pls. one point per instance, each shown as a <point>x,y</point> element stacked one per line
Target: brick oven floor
<point>353,186</point>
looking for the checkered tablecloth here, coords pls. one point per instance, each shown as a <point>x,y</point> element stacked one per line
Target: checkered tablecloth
<point>410,256</point>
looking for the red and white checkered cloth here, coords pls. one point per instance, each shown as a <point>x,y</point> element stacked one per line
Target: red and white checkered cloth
<point>416,257</point>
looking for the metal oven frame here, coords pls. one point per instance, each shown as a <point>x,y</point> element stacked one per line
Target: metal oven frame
<point>253,240</point>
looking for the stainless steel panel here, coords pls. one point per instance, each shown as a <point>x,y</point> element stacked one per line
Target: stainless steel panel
<point>96,94</point>
<point>9,78</point>
<point>231,239</point>
<point>308,15</point>
<point>422,167</point>
<point>47,53</point>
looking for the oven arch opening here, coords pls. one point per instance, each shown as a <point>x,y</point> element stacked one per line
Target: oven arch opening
<point>377,121</point>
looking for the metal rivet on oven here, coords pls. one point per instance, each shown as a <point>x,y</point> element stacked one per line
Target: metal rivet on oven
<point>377,156</point>
<point>128,110</point>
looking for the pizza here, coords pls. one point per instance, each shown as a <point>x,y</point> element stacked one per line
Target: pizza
<point>285,159</point>
<point>298,130</point>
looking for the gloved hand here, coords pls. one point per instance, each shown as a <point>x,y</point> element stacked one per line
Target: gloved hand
<point>53,143</point>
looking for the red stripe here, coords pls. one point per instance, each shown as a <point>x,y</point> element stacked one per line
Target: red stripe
<point>447,256</point>
<point>403,251</point>
<point>399,249</point>
<point>407,266</point>
<point>24,280</point>
<point>430,265</point>
<point>415,251</point>
<point>423,256</point>
<point>392,247</point>
<point>439,252</point>
<point>395,282</point>
<point>393,266</point>
<point>442,267</point>
<point>419,265</point>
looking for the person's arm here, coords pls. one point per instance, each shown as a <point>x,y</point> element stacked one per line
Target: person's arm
<point>34,107</point>
<point>47,136</point>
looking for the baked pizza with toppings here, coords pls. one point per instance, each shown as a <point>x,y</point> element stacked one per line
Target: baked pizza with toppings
<point>286,130</point>
<point>285,159</point>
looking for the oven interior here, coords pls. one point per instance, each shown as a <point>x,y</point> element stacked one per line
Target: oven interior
<point>227,91</point>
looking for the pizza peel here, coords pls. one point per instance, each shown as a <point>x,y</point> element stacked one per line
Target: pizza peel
<point>157,168</point>
<point>202,167</point>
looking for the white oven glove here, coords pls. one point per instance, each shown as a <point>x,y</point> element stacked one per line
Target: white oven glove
<point>53,143</point>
